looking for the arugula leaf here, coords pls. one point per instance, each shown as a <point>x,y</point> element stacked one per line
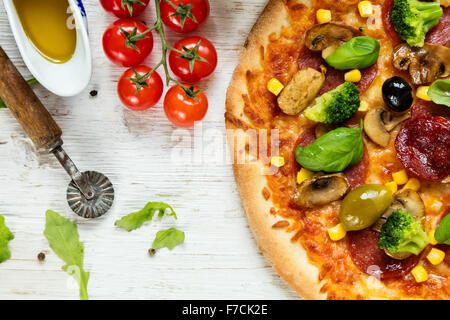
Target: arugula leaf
<point>135,220</point>
<point>169,238</point>
<point>442,233</point>
<point>333,152</point>
<point>5,236</point>
<point>439,92</point>
<point>62,236</point>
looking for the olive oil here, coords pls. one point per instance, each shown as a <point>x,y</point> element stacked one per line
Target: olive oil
<point>49,27</point>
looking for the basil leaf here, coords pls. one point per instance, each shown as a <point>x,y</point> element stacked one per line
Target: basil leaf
<point>439,92</point>
<point>137,219</point>
<point>442,233</point>
<point>333,152</point>
<point>358,53</point>
<point>5,236</point>
<point>62,236</point>
<point>169,238</point>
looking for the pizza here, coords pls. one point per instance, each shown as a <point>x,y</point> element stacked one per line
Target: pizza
<point>338,122</point>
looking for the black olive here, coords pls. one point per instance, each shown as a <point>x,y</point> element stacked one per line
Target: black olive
<point>397,94</point>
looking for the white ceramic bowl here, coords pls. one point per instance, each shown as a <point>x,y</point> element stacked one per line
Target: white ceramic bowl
<point>66,79</point>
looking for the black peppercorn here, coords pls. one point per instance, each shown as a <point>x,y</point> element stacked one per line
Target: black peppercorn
<point>93,93</point>
<point>41,256</point>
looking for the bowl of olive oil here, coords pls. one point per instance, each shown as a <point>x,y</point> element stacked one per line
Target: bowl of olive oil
<point>53,40</point>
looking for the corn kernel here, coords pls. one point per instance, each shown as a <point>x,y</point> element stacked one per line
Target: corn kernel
<point>431,237</point>
<point>365,9</point>
<point>277,161</point>
<point>323,16</point>
<point>400,177</point>
<point>353,76</point>
<point>364,106</point>
<point>420,274</point>
<point>275,86</point>
<point>413,184</point>
<point>422,93</point>
<point>337,232</point>
<point>436,256</point>
<point>304,174</point>
<point>392,186</point>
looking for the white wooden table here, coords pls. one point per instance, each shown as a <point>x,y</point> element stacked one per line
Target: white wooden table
<point>147,159</point>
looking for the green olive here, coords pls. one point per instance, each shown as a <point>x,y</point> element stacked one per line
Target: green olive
<point>358,53</point>
<point>364,205</point>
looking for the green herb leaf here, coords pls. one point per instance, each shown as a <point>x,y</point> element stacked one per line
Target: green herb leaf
<point>137,219</point>
<point>62,236</point>
<point>439,92</point>
<point>333,152</point>
<point>169,238</point>
<point>358,53</point>
<point>5,236</point>
<point>442,233</point>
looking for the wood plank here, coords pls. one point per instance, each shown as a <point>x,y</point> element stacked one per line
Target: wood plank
<point>219,260</point>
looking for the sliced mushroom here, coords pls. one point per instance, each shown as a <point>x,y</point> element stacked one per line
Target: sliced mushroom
<point>326,35</point>
<point>425,64</point>
<point>378,122</point>
<point>329,50</point>
<point>398,255</point>
<point>301,91</point>
<point>321,190</point>
<point>409,201</point>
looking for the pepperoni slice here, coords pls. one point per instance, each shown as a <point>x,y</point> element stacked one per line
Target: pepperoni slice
<point>334,77</point>
<point>364,251</point>
<point>440,34</point>
<point>446,249</point>
<point>307,137</point>
<point>388,27</point>
<point>357,174</point>
<point>422,108</point>
<point>423,147</point>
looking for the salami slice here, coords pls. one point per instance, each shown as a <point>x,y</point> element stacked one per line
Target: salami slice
<point>440,34</point>
<point>357,174</point>
<point>364,251</point>
<point>334,77</point>
<point>422,108</point>
<point>307,137</point>
<point>388,27</point>
<point>423,147</point>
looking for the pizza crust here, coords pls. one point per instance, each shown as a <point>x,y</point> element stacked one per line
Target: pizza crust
<point>289,259</point>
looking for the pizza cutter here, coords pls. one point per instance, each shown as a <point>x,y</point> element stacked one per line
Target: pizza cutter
<point>90,194</point>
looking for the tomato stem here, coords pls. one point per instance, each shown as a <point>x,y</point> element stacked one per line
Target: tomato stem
<point>190,91</point>
<point>133,37</point>
<point>183,12</point>
<point>129,4</point>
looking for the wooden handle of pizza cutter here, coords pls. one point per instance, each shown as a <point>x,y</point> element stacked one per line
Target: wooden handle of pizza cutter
<point>26,106</point>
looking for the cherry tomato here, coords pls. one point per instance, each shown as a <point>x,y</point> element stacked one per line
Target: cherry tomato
<point>198,62</point>
<point>125,8</point>
<point>189,16</point>
<point>181,109</point>
<point>127,42</point>
<point>143,91</point>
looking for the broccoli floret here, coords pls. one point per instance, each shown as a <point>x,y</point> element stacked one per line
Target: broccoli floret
<point>412,19</point>
<point>335,106</point>
<point>402,233</point>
